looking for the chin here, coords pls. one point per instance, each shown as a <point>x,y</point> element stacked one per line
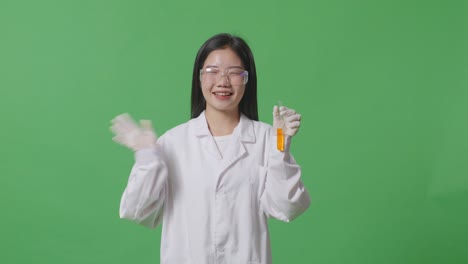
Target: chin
<point>224,108</point>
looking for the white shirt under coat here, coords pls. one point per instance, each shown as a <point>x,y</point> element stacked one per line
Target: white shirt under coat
<point>214,208</point>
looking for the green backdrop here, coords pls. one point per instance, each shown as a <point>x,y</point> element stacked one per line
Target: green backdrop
<point>382,87</point>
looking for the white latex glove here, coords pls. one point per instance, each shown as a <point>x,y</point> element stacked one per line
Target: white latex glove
<point>131,135</point>
<point>287,119</point>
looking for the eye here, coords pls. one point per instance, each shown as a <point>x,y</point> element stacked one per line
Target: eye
<point>212,71</point>
<point>236,72</point>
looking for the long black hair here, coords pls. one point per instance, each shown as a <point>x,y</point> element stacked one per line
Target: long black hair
<point>248,103</point>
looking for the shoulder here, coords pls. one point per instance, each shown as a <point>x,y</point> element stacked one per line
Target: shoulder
<point>262,129</point>
<point>257,125</point>
<point>261,125</point>
<point>192,127</point>
<point>177,132</point>
<point>252,129</point>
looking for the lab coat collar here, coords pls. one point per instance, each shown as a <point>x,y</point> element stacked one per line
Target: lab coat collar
<point>244,131</point>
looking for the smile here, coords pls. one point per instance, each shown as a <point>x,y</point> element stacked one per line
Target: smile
<point>222,93</point>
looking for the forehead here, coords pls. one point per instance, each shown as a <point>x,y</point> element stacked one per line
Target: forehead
<point>223,58</point>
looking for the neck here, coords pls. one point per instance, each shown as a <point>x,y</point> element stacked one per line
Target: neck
<point>222,123</point>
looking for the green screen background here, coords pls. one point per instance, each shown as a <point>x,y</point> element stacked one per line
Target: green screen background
<point>382,87</point>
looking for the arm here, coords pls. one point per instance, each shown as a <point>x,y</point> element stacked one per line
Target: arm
<point>143,198</point>
<point>284,196</point>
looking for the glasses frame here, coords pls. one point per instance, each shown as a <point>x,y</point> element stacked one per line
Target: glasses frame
<point>225,73</point>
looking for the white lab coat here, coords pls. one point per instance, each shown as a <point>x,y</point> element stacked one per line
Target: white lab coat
<point>214,209</point>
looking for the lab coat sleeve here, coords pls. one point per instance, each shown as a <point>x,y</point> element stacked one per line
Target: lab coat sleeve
<point>144,196</point>
<point>284,196</point>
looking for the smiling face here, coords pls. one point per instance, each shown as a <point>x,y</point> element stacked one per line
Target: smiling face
<point>220,93</point>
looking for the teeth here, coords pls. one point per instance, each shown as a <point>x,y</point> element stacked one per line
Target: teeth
<point>223,94</point>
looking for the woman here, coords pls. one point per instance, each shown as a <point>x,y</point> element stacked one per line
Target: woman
<point>215,180</point>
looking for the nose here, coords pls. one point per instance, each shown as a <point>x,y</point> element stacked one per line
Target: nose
<point>224,79</point>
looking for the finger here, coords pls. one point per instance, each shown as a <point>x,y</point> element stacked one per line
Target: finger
<point>295,124</point>
<point>283,108</point>
<point>121,128</point>
<point>125,120</point>
<point>293,130</point>
<point>127,125</point>
<point>113,129</point>
<point>287,112</point>
<point>276,113</point>
<point>118,139</point>
<point>146,125</point>
<point>295,117</point>
<point>121,117</point>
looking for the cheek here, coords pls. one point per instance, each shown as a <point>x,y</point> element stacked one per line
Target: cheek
<point>206,91</point>
<point>241,92</point>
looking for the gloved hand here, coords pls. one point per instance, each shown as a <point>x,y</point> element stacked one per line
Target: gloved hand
<point>129,134</point>
<point>287,119</point>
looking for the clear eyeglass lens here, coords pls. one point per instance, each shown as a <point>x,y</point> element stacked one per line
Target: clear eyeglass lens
<point>235,76</point>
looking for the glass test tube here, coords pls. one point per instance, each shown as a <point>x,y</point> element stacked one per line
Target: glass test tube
<point>279,133</point>
<point>280,139</point>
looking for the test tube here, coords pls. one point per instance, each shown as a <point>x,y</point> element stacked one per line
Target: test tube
<point>279,133</point>
<point>280,139</point>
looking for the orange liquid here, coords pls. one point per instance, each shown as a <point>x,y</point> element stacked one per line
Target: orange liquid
<point>280,139</point>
